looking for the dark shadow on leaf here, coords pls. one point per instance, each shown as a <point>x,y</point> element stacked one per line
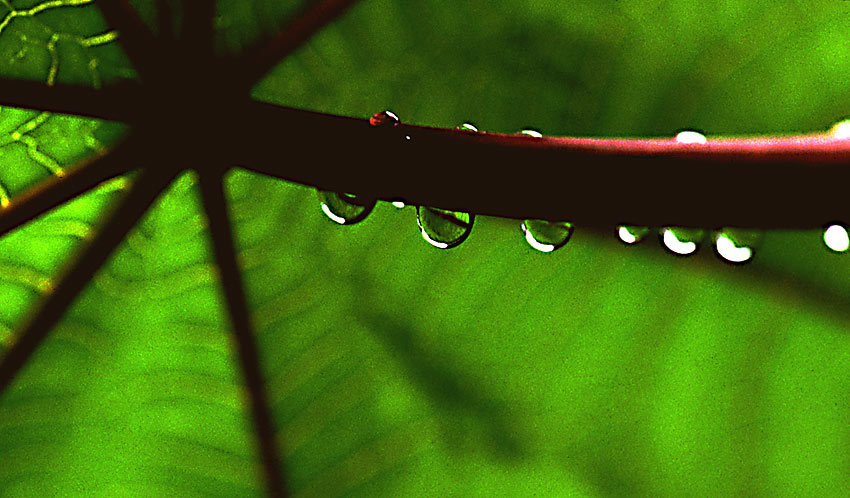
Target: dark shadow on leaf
<point>469,415</point>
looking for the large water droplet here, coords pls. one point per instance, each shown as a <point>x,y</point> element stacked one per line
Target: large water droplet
<point>691,137</point>
<point>345,209</point>
<point>467,127</point>
<point>384,118</point>
<point>681,241</point>
<point>836,238</point>
<point>546,236</point>
<point>443,228</point>
<point>531,133</point>
<point>736,245</point>
<point>632,235</point>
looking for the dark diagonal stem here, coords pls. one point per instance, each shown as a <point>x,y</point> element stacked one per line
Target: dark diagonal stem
<point>197,29</point>
<point>81,272</point>
<point>263,57</point>
<point>770,182</point>
<point>115,103</point>
<point>231,279</point>
<point>55,191</point>
<point>133,34</point>
<point>165,21</point>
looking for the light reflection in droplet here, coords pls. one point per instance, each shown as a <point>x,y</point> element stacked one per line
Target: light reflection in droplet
<point>626,236</point>
<point>398,204</point>
<point>727,250</point>
<point>332,215</point>
<point>631,234</point>
<point>435,243</point>
<point>535,243</point>
<point>677,246</point>
<point>836,238</point>
<point>532,133</point>
<point>691,137</point>
<point>841,130</point>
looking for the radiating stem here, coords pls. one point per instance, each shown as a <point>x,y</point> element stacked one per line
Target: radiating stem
<point>55,191</point>
<point>261,58</point>
<point>133,34</point>
<point>231,280</point>
<point>115,102</point>
<point>197,32</point>
<point>80,273</point>
<point>761,182</point>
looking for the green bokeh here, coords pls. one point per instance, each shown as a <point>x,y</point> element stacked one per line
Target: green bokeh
<point>395,369</point>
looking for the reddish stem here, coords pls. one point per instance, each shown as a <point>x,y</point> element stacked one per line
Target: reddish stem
<point>763,182</point>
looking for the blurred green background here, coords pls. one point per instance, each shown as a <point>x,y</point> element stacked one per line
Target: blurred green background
<point>396,369</point>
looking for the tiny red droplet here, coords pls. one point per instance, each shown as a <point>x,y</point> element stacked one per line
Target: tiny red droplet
<point>384,118</point>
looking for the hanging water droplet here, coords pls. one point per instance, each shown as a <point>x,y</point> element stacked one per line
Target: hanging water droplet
<point>546,236</point>
<point>531,133</point>
<point>467,127</point>
<point>632,235</point>
<point>691,137</point>
<point>345,209</point>
<point>443,228</point>
<point>736,245</point>
<point>840,130</point>
<point>384,118</point>
<point>836,238</point>
<point>682,241</point>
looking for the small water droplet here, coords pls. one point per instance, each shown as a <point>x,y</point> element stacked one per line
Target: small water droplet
<point>443,228</point>
<point>736,245</point>
<point>632,235</point>
<point>531,133</point>
<point>546,236</point>
<point>384,118</point>
<point>691,137</point>
<point>836,238</point>
<point>840,130</point>
<point>681,241</point>
<point>467,127</point>
<point>345,209</point>
<point>398,203</point>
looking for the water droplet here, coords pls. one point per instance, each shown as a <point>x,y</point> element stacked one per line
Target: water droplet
<point>632,235</point>
<point>384,118</point>
<point>681,241</point>
<point>835,237</point>
<point>546,236</point>
<point>691,137</point>
<point>345,209</point>
<point>736,245</point>
<point>531,133</point>
<point>398,203</point>
<point>443,228</point>
<point>840,130</point>
<point>467,127</point>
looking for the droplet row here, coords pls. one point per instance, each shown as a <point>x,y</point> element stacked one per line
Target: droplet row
<point>445,229</point>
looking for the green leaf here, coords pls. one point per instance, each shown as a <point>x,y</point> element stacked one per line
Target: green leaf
<point>396,369</point>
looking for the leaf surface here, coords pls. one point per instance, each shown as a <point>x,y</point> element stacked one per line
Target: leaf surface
<point>490,369</point>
